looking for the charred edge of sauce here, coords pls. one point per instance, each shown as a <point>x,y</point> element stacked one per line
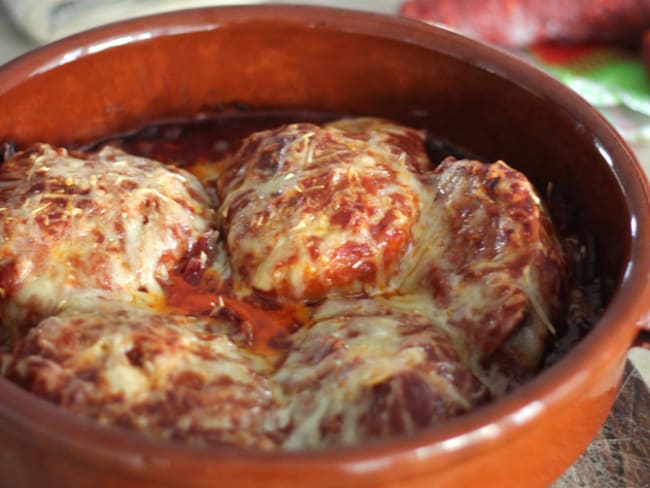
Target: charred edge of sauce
<point>588,291</point>
<point>438,150</point>
<point>7,150</point>
<point>562,214</point>
<point>234,120</point>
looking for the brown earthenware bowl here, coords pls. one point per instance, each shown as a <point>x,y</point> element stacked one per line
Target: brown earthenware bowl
<point>125,75</point>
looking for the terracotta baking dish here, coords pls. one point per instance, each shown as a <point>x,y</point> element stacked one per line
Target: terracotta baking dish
<point>125,75</point>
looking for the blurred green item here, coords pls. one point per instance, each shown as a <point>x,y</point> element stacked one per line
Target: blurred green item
<point>613,79</point>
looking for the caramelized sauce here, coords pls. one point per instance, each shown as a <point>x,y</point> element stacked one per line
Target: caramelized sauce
<point>258,323</point>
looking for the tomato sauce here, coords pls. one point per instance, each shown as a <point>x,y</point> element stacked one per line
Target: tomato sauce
<point>261,325</point>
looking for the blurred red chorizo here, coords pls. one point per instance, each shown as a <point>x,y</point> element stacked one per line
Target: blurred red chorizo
<point>516,23</point>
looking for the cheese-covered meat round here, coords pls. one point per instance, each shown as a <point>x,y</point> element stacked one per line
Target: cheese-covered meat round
<point>167,376</point>
<point>313,210</point>
<point>345,289</point>
<point>101,223</point>
<point>370,370</point>
<point>490,259</point>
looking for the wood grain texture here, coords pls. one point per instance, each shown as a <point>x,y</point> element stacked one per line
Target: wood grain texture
<point>619,457</point>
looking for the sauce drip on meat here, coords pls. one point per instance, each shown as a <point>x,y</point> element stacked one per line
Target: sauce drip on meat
<point>261,323</point>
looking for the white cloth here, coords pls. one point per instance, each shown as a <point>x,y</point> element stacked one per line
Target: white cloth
<point>47,20</point>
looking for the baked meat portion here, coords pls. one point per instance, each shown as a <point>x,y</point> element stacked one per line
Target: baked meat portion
<point>491,260</point>
<point>373,369</point>
<point>312,210</point>
<point>355,290</point>
<point>102,223</point>
<point>167,376</point>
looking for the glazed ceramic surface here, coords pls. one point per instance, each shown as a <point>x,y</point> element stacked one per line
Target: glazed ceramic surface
<point>126,75</point>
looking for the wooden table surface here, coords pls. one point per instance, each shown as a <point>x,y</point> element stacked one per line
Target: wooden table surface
<point>620,456</point>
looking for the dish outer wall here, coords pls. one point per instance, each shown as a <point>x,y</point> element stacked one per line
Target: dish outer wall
<point>125,75</point>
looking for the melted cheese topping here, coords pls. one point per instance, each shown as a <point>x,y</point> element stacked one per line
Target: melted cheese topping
<point>309,211</point>
<point>367,370</point>
<point>166,375</point>
<point>107,223</point>
<point>345,291</point>
<point>489,256</point>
